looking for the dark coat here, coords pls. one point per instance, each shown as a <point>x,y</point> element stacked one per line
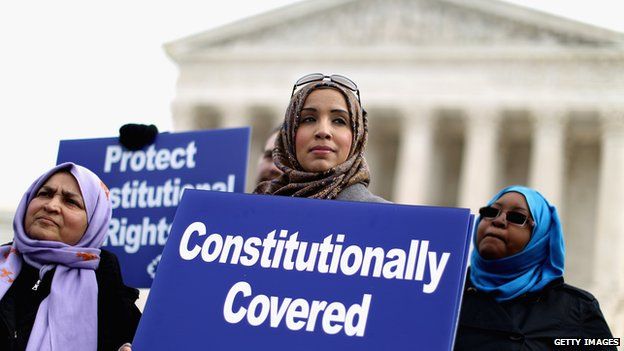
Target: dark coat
<point>118,316</point>
<point>529,322</point>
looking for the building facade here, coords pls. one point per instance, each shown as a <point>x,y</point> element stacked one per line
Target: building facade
<point>464,97</point>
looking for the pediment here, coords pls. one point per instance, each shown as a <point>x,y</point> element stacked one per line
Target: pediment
<point>361,24</point>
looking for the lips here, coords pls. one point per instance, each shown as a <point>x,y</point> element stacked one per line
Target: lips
<point>495,235</point>
<point>321,149</point>
<point>47,220</point>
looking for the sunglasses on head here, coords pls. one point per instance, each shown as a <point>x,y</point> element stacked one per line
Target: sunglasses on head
<point>513,217</point>
<point>336,78</point>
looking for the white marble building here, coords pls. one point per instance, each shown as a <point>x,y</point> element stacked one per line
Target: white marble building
<point>464,97</point>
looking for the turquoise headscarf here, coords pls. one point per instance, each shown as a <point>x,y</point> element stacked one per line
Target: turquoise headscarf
<point>531,269</point>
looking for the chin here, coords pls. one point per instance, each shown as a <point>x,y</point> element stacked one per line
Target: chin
<point>319,166</point>
<point>38,235</point>
<point>489,253</point>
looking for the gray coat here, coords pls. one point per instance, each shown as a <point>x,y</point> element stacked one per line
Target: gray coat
<point>359,192</point>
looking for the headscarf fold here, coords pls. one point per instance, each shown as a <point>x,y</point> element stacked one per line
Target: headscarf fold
<point>297,182</point>
<point>530,270</point>
<point>67,317</point>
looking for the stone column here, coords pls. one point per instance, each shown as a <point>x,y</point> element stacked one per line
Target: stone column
<point>234,116</point>
<point>183,116</point>
<point>609,236</point>
<point>413,173</point>
<point>480,158</point>
<point>548,154</point>
<point>277,117</point>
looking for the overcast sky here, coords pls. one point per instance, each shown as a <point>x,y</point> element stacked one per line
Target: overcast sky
<point>81,69</point>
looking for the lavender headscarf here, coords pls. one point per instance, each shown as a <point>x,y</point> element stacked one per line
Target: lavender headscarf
<point>67,318</point>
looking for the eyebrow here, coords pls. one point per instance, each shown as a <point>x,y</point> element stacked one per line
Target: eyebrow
<point>69,194</point>
<point>333,110</point>
<point>46,188</point>
<point>514,207</point>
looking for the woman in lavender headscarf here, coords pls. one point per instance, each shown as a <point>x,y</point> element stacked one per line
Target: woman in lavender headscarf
<point>58,290</point>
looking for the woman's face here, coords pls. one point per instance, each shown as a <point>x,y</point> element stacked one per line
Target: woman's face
<point>324,136</point>
<point>57,212</point>
<point>496,238</point>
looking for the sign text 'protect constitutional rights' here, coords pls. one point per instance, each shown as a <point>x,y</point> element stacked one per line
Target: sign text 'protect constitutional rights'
<point>146,186</point>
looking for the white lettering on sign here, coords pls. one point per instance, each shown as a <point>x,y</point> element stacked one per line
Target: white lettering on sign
<point>295,314</point>
<point>151,159</point>
<point>140,194</point>
<point>288,253</point>
<point>133,236</point>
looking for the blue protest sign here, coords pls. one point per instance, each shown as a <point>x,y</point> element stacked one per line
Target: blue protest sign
<point>243,272</point>
<point>146,186</point>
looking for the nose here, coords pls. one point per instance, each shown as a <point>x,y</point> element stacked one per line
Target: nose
<point>323,129</point>
<point>53,205</point>
<point>500,220</point>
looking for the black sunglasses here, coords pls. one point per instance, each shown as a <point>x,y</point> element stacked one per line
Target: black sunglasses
<point>513,217</point>
<point>336,78</point>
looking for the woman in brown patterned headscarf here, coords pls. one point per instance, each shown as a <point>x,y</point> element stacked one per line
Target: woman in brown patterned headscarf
<point>320,146</point>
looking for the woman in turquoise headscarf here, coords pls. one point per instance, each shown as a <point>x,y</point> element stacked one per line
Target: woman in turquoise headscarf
<point>515,297</point>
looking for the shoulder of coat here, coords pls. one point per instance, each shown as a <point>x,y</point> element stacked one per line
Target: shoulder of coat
<point>578,292</point>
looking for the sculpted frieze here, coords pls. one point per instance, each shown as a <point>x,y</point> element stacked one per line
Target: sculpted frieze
<point>393,23</point>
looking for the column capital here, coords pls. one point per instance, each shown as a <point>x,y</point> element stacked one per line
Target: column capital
<point>549,116</point>
<point>483,115</point>
<point>410,116</point>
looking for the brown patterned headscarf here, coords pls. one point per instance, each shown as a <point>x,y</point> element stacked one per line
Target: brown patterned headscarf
<point>297,182</point>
